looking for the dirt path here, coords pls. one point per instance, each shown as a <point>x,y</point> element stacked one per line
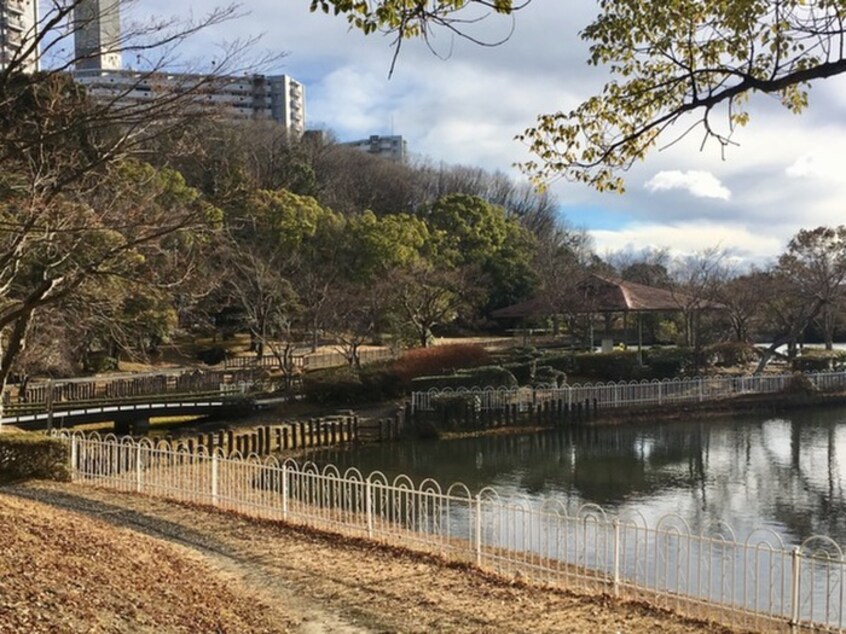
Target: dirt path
<point>74,558</point>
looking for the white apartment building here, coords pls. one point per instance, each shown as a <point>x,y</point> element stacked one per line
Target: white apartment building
<point>393,148</point>
<point>279,98</point>
<point>18,20</point>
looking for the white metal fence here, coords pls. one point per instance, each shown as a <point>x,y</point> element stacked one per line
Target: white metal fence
<point>754,580</point>
<point>627,394</point>
<point>312,360</point>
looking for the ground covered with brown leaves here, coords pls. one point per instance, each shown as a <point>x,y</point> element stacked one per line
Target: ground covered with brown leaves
<point>75,559</point>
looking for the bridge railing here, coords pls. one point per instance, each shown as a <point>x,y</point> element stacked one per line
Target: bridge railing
<point>56,394</point>
<point>754,580</point>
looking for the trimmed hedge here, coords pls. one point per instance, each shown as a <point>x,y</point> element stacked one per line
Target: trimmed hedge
<point>486,376</point>
<point>620,365</point>
<point>818,360</point>
<point>730,353</point>
<point>546,375</point>
<point>25,456</point>
<point>439,360</point>
<point>667,363</point>
<point>345,386</point>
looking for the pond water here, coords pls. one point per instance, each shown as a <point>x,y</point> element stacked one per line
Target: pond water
<point>786,473</point>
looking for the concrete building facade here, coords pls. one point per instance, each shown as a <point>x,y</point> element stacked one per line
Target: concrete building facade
<point>18,22</point>
<point>97,35</point>
<point>393,148</point>
<point>278,98</point>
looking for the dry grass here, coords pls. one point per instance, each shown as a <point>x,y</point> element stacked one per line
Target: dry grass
<point>81,559</point>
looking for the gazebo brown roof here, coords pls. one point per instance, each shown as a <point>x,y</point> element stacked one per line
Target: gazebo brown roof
<point>600,294</point>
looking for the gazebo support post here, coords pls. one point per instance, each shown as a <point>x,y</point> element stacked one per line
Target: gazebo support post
<point>607,337</point>
<point>640,339</point>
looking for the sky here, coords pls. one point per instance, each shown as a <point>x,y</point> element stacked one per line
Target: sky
<point>465,103</point>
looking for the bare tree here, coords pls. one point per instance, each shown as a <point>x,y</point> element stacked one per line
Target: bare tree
<point>806,284</point>
<point>696,280</point>
<point>74,209</point>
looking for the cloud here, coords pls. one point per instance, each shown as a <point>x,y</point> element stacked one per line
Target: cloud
<point>699,183</point>
<point>804,166</point>
<point>691,237</point>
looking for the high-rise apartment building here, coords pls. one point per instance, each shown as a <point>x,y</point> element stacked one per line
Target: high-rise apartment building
<point>97,42</point>
<point>18,20</point>
<point>279,98</point>
<point>393,148</point>
<point>97,35</point>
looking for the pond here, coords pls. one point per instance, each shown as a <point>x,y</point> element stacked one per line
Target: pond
<point>785,473</point>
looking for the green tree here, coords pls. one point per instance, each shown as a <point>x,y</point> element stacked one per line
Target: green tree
<point>274,242</point>
<point>688,62</point>
<point>469,232</point>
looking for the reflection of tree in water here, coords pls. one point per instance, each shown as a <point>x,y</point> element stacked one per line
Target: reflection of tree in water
<point>716,470</point>
<point>807,496</point>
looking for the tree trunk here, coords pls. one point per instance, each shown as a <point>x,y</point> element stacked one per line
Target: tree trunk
<point>14,346</point>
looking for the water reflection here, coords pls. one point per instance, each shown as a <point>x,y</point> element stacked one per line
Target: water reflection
<point>780,473</point>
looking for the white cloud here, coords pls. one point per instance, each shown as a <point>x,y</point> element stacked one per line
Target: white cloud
<point>804,166</point>
<point>700,183</point>
<point>691,237</point>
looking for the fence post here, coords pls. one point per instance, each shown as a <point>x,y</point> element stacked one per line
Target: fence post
<point>49,404</point>
<point>285,492</point>
<point>214,473</point>
<point>478,529</point>
<point>796,563</point>
<point>699,380</point>
<point>368,507</point>
<point>139,478</point>
<point>616,557</point>
<point>74,456</point>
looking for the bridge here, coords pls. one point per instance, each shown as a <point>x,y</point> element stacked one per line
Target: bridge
<point>129,400</point>
<point>129,417</point>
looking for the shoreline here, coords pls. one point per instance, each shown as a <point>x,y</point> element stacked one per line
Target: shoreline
<point>760,404</point>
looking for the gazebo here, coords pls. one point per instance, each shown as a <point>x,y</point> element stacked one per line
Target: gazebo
<point>608,296</point>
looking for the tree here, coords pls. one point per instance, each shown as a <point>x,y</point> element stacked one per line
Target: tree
<point>466,231</point>
<point>424,296</point>
<point>77,209</point>
<point>696,281</point>
<point>806,282</point>
<point>270,240</point>
<point>405,19</point>
<point>679,62</point>
<point>134,225</point>
<point>741,297</point>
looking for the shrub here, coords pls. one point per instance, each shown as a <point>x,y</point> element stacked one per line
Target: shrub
<point>620,365</point>
<point>730,353</point>
<point>563,362</point>
<point>546,375</point>
<point>818,360</point>
<point>338,386</point>
<point>24,456</point>
<point>666,363</point>
<point>345,386</point>
<point>439,360</point>
<point>522,372</point>
<point>800,385</point>
<point>100,362</point>
<point>489,376</point>
<point>212,356</point>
